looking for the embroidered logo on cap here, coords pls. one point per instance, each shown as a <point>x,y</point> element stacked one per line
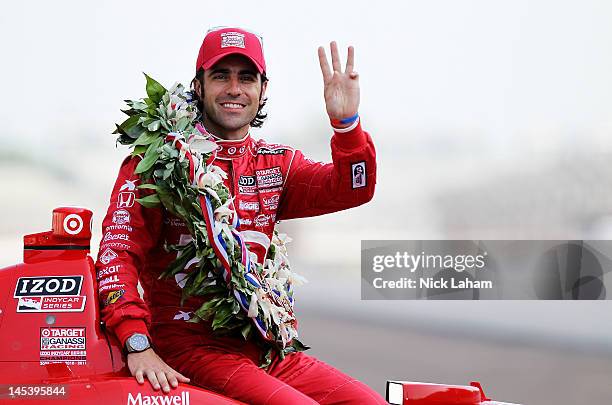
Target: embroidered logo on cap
<point>235,39</point>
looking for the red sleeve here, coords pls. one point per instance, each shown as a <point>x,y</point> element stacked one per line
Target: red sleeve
<point>129,230</point>
<point>315,188</point>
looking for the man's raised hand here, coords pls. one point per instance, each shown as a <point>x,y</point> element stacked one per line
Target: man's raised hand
<point>340,89</point>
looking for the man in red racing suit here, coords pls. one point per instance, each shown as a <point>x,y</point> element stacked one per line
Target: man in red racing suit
<point>269,183</point>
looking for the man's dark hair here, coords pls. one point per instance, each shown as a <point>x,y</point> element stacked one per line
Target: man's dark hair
<point>259,118</point>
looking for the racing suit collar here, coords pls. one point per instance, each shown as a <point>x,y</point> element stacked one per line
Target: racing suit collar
<point>230,149</point>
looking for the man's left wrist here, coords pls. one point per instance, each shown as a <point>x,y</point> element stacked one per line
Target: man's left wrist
<point>343,123</point>
<point>137,343</point>
<point>348,128</point>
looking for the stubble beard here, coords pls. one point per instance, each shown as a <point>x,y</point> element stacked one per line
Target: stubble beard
<point>221,124</point>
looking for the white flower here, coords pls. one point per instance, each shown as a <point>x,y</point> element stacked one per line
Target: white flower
<point>176,88</point>
<point>183,112</point>
<point>217,170</point>
<point>270,268</point>
<point>275,313</point>
<point>213,193</point>
<point>199,144</point>
<point>280,259</point>
<point>275,284</point>
<point>209,179</point>
<point>224,212</point>
<point>296,279</point>
<point>284,334</point>
<point>253,306</point>
<point>265,306</point>
<point>280,239</point>
<point>293,278</point>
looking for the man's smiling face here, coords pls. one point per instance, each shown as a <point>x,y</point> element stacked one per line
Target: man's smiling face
<point>233,92</point>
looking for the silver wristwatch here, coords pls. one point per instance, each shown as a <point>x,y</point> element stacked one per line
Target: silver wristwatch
<point>137,343</point>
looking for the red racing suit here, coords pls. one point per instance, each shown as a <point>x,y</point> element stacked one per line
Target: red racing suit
<point>270,182</point>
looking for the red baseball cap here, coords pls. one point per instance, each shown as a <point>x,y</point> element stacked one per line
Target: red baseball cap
<point>220,42</point>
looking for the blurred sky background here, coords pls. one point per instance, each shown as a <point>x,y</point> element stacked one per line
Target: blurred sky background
<point>491,121</point>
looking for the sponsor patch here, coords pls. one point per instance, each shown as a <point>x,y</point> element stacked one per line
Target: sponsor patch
<point>126,199</point>
<point>108,256</point>
<point>271,190</point>
<point>142,399</point>
<point>270,151</point>
<point>246,180</point>
<point>246,221</point>
<point>271,202</point>
<point>129,185</point>
<point>121,217</point>
<point>111,279</point>
<point>359,174</point>
<point>111,287</point>
<point>270,177</point>
<point>73,224</point>
<point>108,270</point>
<point>262,220</point>
<point>118,228</point>
<point>109,236</point>
<point>114,296</point>
<point>51,304</point>
<point>247,185</point>
<point>232,39</point>
<point>49,285</point>
<point>63,345</point>
<point>114,245</point>
<point>249,205</point>
<point>247,190</point>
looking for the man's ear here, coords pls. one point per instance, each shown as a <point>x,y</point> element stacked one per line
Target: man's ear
<point>262,96</point>
<point>197,87</point>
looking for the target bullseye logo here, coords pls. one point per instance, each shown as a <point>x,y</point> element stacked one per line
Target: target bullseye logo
<point>73,224</point>
<point>45,332</point>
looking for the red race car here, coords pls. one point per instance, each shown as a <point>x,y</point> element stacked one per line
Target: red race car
<point>55,347</point>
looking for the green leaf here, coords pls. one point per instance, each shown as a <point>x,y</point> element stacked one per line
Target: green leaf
<point>131,127</point>
<point>150,158</point>
<point>145,164</point>
<point>138,150</point>
<point>155,91</point>
<point>267,359</point>
<point>246,330</point>
<point>178,265</point>
<point>139,105</point>
<point>212,289</point>
<point>149,186</point>
<point>222,316</point>
<point>182,123</point>
<point>130,112</point>
<point>299,346</point>
<point>150,201</point>
<point>154,126</point>
<point>146,138</point>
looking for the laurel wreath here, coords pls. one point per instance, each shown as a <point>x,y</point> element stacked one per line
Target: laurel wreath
<point>165,171</point>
